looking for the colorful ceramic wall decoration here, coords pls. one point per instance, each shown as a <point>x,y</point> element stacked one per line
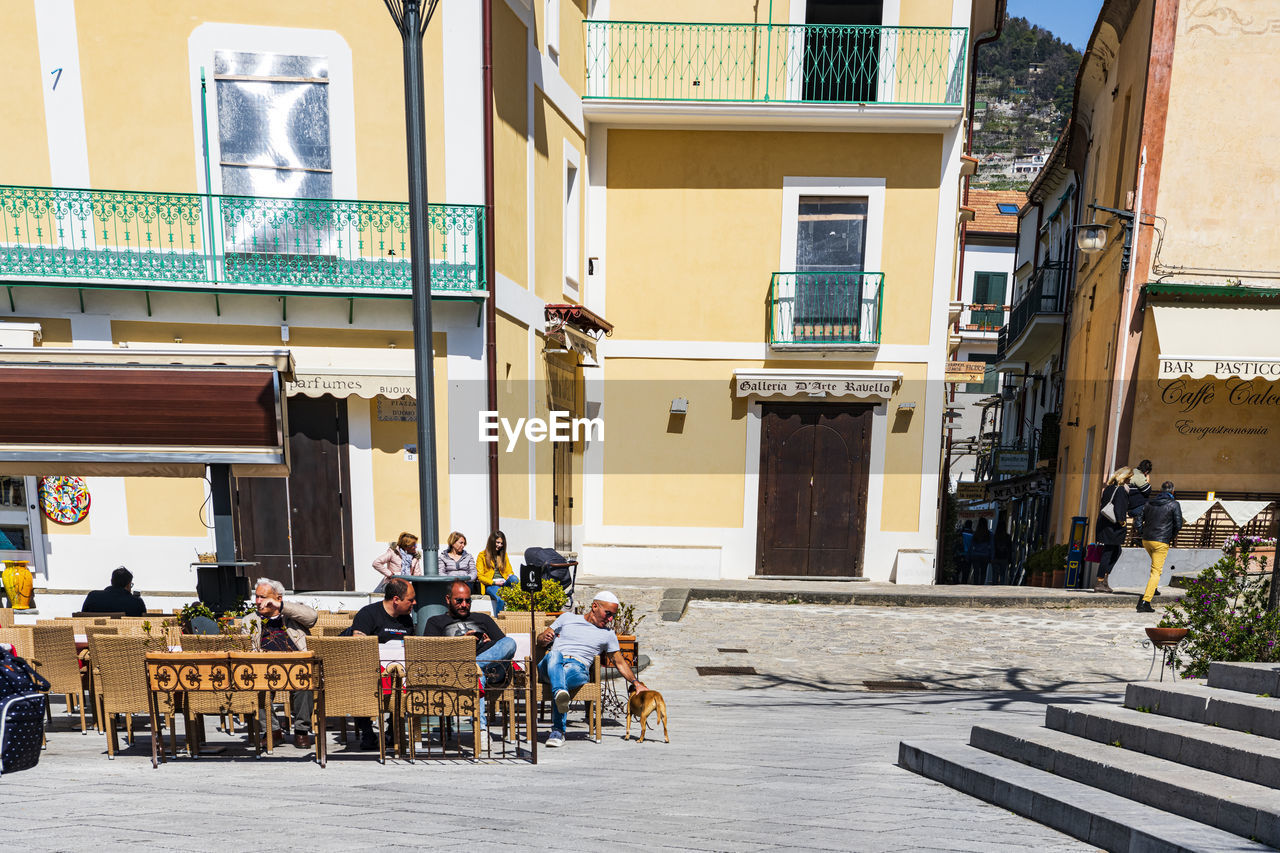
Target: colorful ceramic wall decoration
<point>64,499</point>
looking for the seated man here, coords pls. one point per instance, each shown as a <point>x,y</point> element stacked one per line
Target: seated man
<point>283,627</point>
<point>575,641</point>
<point>388,619</point>
<point>117,598</point>
<point>491,643</point>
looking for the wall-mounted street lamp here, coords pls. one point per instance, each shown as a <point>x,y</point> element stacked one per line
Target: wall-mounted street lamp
<point>1091,238</point>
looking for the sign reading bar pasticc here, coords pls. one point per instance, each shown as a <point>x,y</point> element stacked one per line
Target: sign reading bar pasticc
<point>1222,368</point>
<point>965,371</point>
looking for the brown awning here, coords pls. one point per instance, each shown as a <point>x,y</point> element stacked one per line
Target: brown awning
<point>79,411</point>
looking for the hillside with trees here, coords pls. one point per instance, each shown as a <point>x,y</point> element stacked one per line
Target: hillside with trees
<point>1026,80</point>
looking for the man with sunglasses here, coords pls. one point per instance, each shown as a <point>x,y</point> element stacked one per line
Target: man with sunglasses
<point>575,640</point>
<point>491,643</point>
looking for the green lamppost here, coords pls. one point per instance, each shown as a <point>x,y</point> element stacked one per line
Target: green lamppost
<point>411,18</point>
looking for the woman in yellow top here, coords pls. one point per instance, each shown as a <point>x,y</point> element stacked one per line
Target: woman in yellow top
<point>493,568</point>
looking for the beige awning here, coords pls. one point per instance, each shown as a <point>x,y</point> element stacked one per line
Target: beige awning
<point>339,371</point>
<point>1200,341</point>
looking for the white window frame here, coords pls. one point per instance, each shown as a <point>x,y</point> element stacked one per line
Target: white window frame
<point>206,39</point>
<point>890,16</point>
<point>551,23</point>
<point>571,220</point>
<point>872,189</point>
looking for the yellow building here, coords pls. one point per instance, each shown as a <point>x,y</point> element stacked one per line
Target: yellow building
<point>759,211</point>
<point>1171,352</point>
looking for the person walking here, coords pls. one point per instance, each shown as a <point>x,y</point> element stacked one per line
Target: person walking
<point>1163,520</point>
<point>1139,492</point>
<point>1001,553</point>
<point>966,548</point>
<point>980,553</point>
<point>1110,526</point>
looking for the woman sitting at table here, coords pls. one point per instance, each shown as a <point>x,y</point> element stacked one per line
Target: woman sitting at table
<point>455,562</point>
<point>400,553</point>
<point>493,568</point>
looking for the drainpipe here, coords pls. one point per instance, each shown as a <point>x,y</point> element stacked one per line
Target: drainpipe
<point>943,521</point>
<point>1126,322</point>
<point>490,304</point>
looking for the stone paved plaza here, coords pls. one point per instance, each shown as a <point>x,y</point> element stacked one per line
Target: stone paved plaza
<point>799,757</point>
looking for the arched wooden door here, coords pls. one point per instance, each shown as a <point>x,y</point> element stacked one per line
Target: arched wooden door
<point>814,462</point>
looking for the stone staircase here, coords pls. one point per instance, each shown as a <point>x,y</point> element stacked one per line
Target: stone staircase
<point>1181,766</point>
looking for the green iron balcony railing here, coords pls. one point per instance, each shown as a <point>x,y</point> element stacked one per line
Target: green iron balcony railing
<point>189,240</point>
<point>825,308</point>
<point>807,63</point>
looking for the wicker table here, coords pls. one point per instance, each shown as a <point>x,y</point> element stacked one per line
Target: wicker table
<point>170,673</point>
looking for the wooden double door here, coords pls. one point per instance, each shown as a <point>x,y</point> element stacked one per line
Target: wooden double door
<point>814,465</point>
<point>299,528</point>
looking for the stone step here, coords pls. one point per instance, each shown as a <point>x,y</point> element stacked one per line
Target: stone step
<point>1093,816</point>
<point>1213,706</point>
<point>1260,679</point>
<point>1230,753</point>
<point>1248,810</point>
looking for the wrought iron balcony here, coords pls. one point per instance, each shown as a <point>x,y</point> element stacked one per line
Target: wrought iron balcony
<point>224,242</point>
<point>1045,294</point>
<point>825,309</point>
<point>787,63</point>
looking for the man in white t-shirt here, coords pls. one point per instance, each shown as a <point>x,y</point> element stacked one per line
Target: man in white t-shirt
<point>575,641</point>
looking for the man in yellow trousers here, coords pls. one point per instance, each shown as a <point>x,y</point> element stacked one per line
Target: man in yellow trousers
<point>1161,522</point>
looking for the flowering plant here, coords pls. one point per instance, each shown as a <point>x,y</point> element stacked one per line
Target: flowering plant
<point>1239,541</point>
<point>1225,613</point>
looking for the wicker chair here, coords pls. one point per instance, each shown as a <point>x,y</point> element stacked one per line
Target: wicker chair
<point>441,680</point>
<point>57,660</point>
<point>120,676</point>
<point>352,681</point>
<point>6,617</point>
<point>21,639</point>
<point>591,693</point>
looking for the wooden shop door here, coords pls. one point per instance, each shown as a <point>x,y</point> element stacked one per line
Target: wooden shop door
<point>814,460</point>
<point>299,528</point>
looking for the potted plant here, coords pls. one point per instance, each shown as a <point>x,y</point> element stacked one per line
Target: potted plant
<point>551,599</point>
<point>624,625</point>
<point>226,621</point>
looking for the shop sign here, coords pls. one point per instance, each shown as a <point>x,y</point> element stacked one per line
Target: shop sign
<point>781,387</point>
<point>397,410</point>
<point>1013,461</point>
<point>965,371</point>
<point>350,384</point>
<point>1199,368</point>
<point>971,491</point>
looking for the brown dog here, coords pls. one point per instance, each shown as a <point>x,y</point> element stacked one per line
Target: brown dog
<point>640,706</point>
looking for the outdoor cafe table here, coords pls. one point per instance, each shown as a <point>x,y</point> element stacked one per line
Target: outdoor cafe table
<point>170,673</point>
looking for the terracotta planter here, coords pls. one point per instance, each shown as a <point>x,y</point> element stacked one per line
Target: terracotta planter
<point>1166,636</point>
<point>1059,579</point>
<point>1255,559</point>
<point>630,647</point>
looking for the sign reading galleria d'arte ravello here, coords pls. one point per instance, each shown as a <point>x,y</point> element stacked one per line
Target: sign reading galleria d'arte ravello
<point>837,387</point>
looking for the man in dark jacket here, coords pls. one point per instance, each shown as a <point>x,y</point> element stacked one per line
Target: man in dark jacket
<point>1161,522</point>
<point>117,598</point>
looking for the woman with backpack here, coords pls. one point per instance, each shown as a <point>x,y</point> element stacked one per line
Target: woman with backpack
<point>1110,525</point>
